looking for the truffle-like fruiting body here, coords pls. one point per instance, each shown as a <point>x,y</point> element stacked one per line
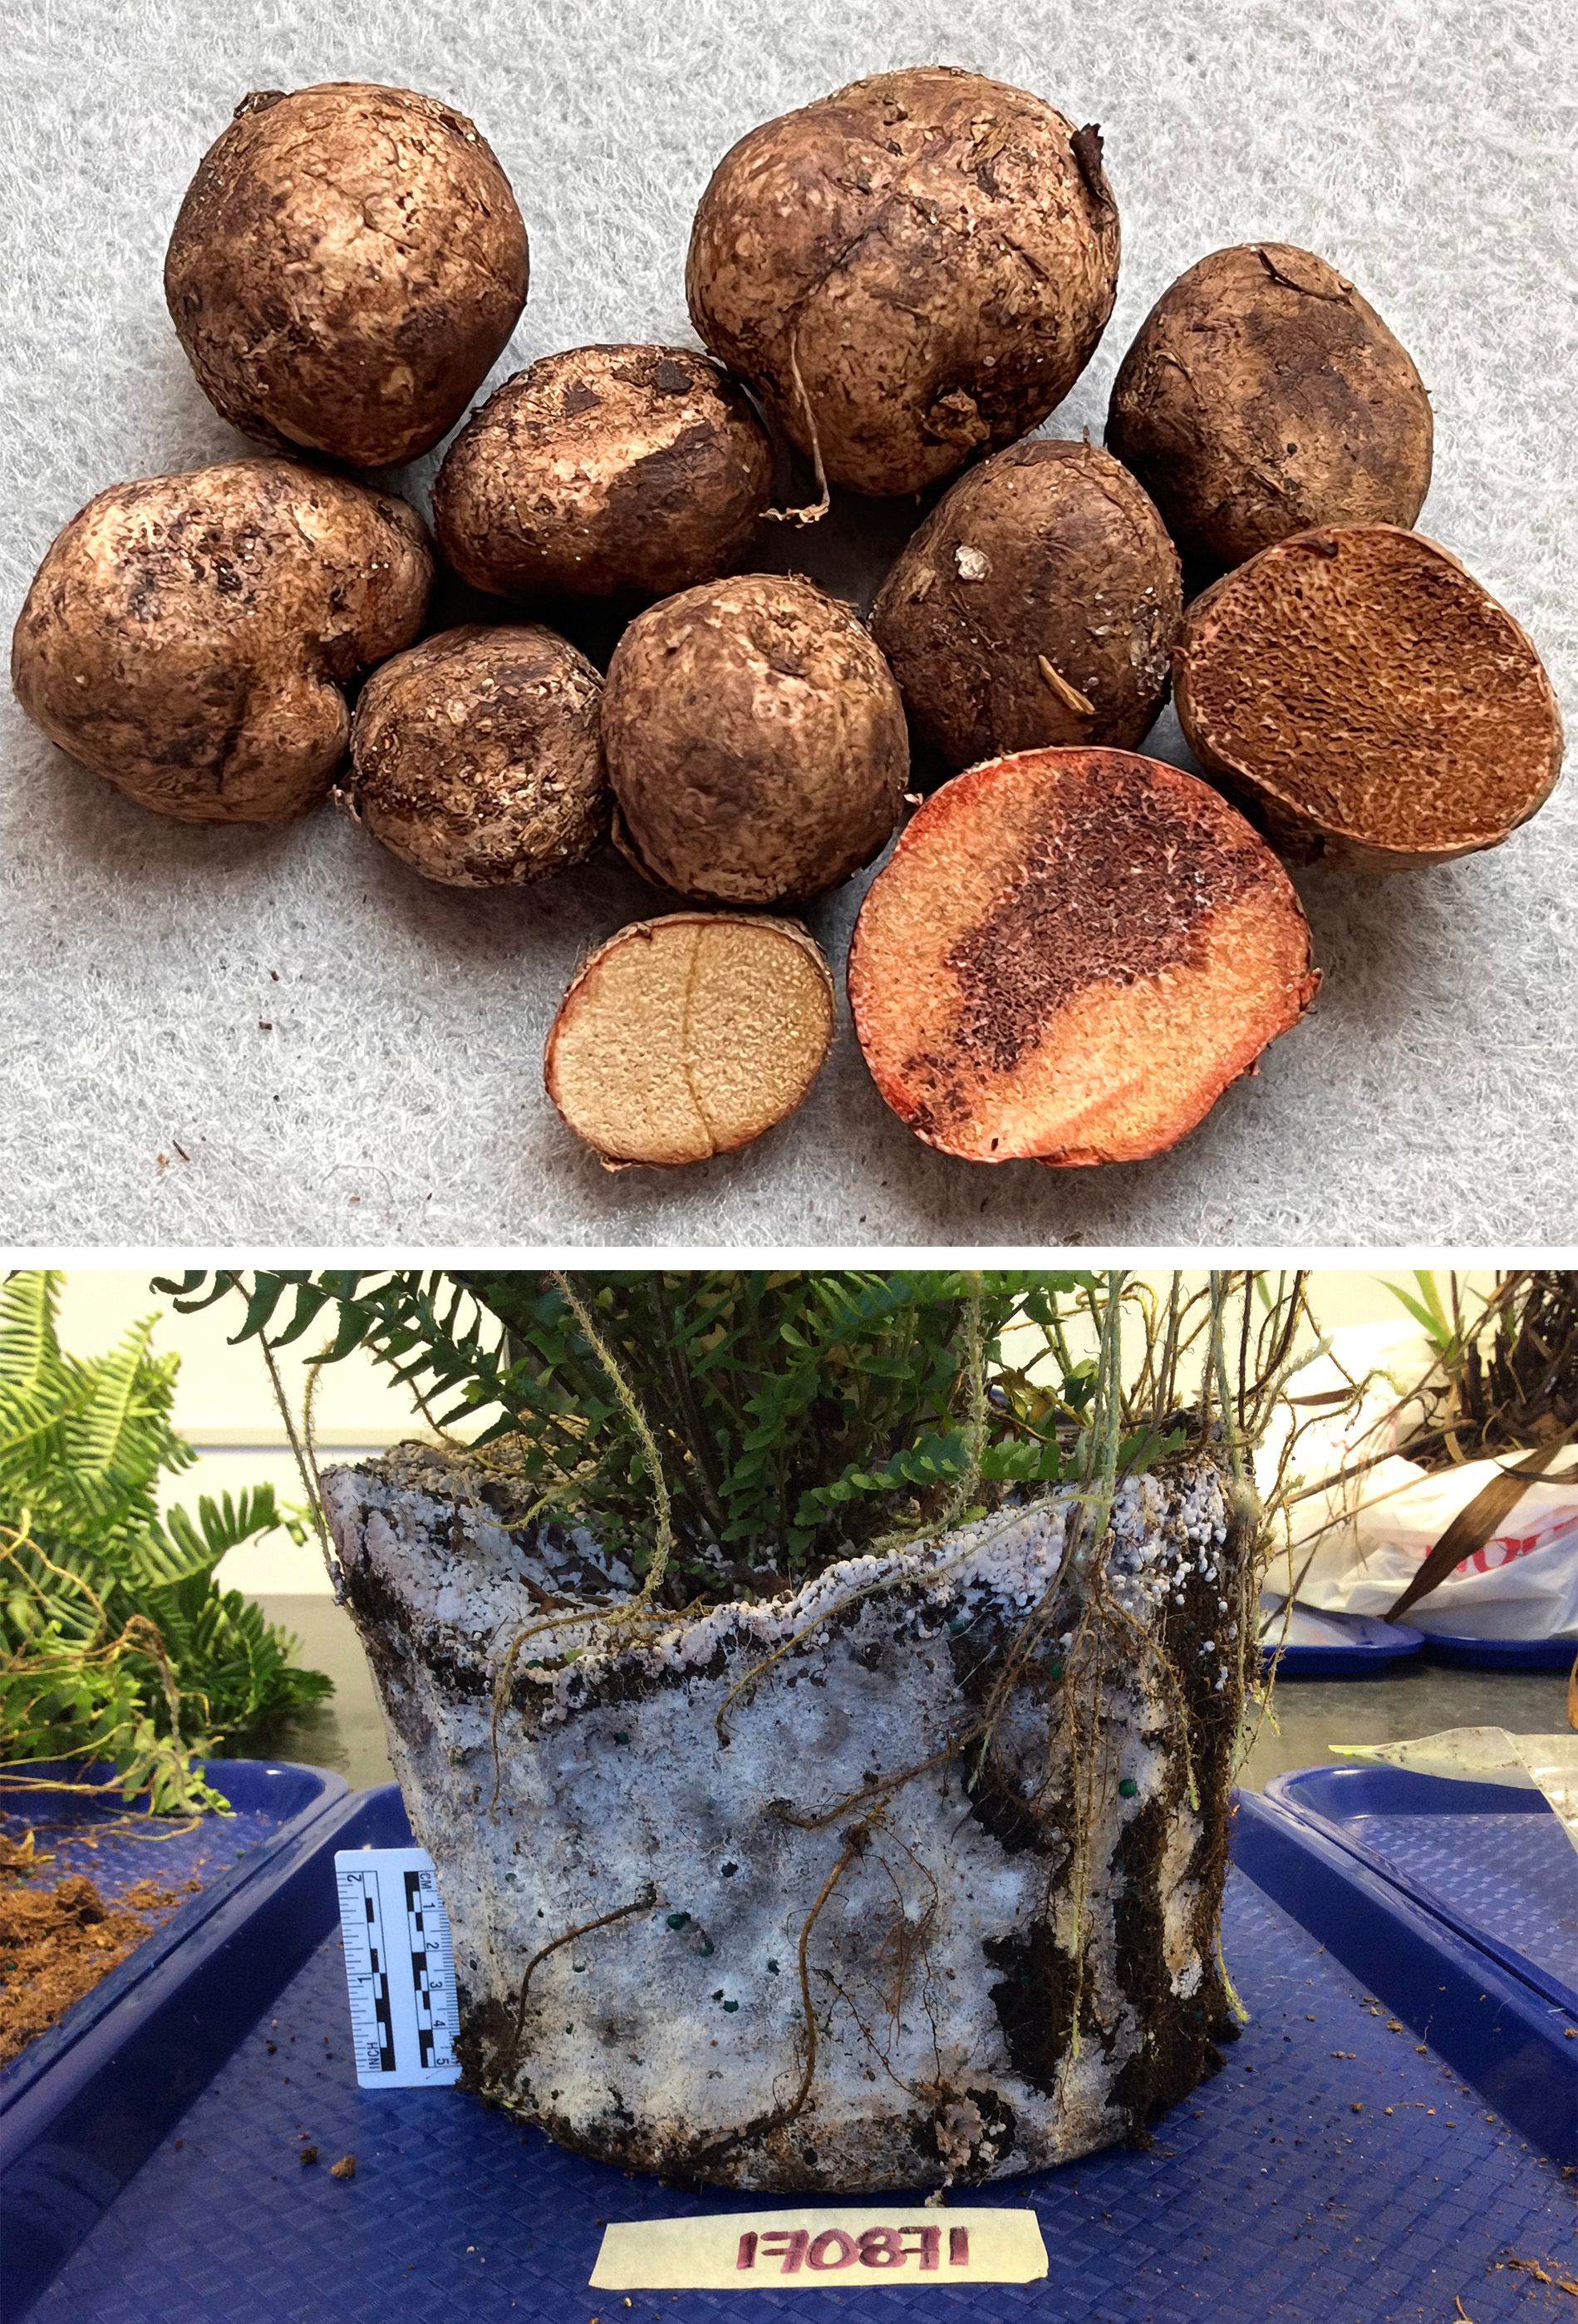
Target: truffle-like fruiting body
<point>909,271</point>
<point>1368,700</point>
<point>189,637</point>
<point>755,740</point>
<point>475,756</point>
<point>1037,605</point>
<point>603,472</point>
<point>346,268</point>
<point>1071,957</point>
<point>1263,395</point>
<point>689,1035</point>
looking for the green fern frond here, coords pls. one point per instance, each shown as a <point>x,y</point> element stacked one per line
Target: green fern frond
<point>174,1550</point>
<point>30,1346</point>
<point>114,1641</point>
<point>33,1442</point>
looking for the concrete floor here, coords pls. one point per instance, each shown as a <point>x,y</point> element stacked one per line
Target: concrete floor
<point>346,1733</point>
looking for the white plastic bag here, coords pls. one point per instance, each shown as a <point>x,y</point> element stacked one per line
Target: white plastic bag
<point>1522,1584</point>
<point>1300,1626</point>
<point>1355,1548</point>
<point>1328,1438</point>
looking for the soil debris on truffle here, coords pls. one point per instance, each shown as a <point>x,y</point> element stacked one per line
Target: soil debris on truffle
<point>1263,395</point>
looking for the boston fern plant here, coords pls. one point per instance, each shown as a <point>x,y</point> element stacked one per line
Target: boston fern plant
<point>116,1643</point>
<point>789,1417</point>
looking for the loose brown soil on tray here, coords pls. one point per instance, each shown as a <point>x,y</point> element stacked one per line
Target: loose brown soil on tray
<point>56,1942</point>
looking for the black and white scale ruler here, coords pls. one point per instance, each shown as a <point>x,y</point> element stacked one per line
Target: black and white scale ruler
<point>399,1966</point>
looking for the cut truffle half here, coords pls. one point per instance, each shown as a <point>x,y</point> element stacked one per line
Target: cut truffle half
<point>1368,700</point>
<point>690,1036</point>
<point>1070,956</point>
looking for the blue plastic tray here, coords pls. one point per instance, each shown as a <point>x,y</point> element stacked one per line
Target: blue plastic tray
<point>273,1801</point>
<point>1491,1861</point>
<point>1372,1649</point>
<point>1282,2190</point>
<point>1511,2040</point>
<point>82,2106</point>
<point>1500,1653</point>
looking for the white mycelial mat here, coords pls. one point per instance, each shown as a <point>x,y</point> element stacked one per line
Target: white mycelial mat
<point>1489,1755</point>
<point>285,1034</point>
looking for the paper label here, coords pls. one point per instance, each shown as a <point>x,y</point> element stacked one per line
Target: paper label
<point>400,1968</point>
<point>760,2251</point>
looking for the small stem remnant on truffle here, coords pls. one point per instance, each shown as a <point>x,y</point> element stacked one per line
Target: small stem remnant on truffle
<point>814,514</point>
<point>1068,695</point>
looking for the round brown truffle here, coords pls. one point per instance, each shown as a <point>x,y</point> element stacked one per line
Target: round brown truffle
<point>690,1036</point>
<point>1262,395</point>
<point>909,271</point>
<point>755,741</point>
<point>1070,957</point>
<point>190,636</point>
<point>604,471</point>
<point>1037,605</point>
<point>1371,703</point>
<point>346,266</point>
<point>475,757</point>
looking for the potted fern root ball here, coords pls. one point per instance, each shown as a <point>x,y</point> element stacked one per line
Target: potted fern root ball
<point>820,1695</point>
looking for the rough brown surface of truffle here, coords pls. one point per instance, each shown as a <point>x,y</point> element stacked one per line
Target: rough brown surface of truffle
<point>1263,395</point>
<point>346,266</point>
<point>755,740</point>
<point>1037,605</point>
<point>911,271</point>
<point>475,756</point>
<point>1071,954</point>
<point>190,636</point>
<point>1368,699</point>
<point>604,471</point>
<point>690,1036</point>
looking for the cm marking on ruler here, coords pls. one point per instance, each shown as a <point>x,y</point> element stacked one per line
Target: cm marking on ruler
<point>400,1968</point>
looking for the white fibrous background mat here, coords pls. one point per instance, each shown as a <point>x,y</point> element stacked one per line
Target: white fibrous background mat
<point>285,1035</point>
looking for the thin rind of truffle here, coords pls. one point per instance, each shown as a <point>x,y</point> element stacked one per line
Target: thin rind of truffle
<point>1036,607</point>
<point>346,268</point>
<point>1368,700</point>
<point>1070,957</point>
<point>475,757</point>
<point>1262,395</point>
<point>189,637</point>
<point>755,741</point>
<point>602,471</point>
<point>690,1036</point>
<point>913,270</point>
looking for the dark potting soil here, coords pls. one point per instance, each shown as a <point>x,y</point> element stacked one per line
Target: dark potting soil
<point>57,1941</point>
